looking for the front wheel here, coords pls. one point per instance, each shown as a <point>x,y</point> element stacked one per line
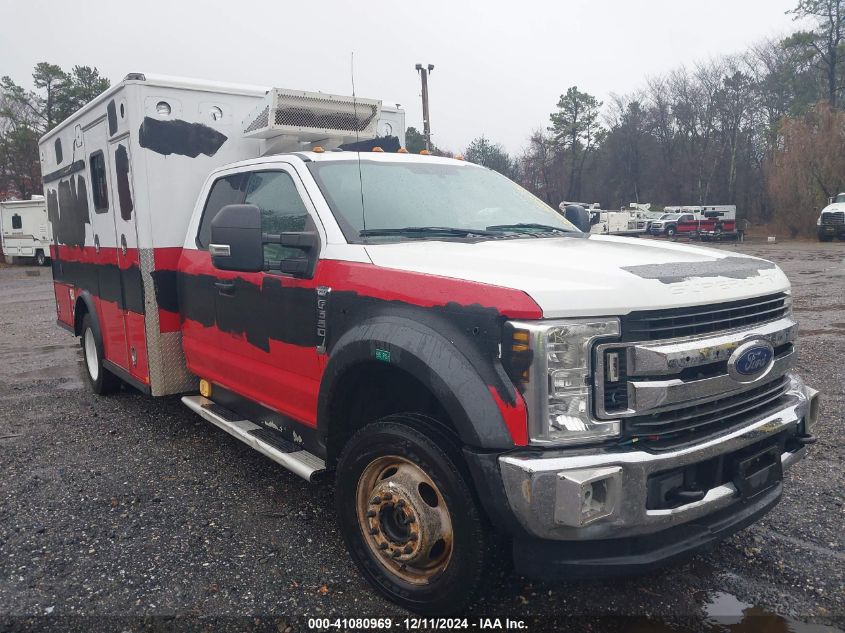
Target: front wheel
<point>670,231</point>
<point>101,380</point>
<point>409,516</point>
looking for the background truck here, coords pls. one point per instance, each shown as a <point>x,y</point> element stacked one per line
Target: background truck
<point>490,384</point>
<point>710,225</point>
<point>831,222</point>
<point>26,230</point>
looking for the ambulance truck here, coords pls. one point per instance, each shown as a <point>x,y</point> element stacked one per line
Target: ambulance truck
<point>488,382</point>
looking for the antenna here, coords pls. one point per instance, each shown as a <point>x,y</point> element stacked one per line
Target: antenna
<point>358,147</point>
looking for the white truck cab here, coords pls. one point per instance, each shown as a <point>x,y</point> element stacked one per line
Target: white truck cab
<point>831,221</point>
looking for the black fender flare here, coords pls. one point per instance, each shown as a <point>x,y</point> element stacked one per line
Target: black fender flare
<point>86,298</point>
<point>434,360</point>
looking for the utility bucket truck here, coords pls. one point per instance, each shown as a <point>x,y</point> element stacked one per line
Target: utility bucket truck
<point>484,378</point>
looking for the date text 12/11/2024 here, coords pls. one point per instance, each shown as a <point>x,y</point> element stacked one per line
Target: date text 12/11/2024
<point>416,624</point>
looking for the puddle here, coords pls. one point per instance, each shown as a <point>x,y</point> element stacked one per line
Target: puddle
<point>726,612</point>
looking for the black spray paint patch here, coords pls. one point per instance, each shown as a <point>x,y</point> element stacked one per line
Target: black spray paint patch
<point>67,210</point>
<point>124,194</point>
<point>111,111</point>
<point>676,272</point>
<point>179,137</point>
<point>105,281</point>
<point>276,312</point>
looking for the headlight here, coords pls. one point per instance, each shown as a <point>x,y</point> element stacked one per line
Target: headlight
<point>819,221</point>
<point>557,382</point>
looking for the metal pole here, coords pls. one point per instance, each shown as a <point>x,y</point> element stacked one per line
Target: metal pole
<point>426,122</point>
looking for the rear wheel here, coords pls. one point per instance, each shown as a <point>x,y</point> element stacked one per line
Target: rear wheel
<point>40,258</point>
<point>410,518</point>
<point>102,381</point>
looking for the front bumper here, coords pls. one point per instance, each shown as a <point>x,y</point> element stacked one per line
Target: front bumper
<point>541,488</point>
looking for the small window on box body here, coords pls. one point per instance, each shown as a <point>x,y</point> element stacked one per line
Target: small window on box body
<point>16,222</point>
<point>58,146</point>
<point>99,182</point>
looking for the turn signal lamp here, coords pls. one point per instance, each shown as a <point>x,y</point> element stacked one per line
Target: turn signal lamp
<point>402,150</point>
<point>425,152</point>
<point>205,388</point>
<point>459,156</point>
<point>518,358</point>
<point>318,149</point>
<point>377,149</point>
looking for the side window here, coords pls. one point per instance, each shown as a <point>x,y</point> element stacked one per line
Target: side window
<point>282,209</point>
<point>99,183</point>
<point>16,222</point>
<point>58,147</point>
<point>226,190</point>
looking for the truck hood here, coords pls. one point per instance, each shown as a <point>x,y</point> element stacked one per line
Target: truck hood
<point>592,276</point>
<point>836,206</point>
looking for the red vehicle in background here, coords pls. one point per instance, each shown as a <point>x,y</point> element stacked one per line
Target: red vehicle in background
<point>713,226</point>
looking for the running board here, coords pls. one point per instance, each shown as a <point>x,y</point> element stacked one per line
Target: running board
<point>262,439</point>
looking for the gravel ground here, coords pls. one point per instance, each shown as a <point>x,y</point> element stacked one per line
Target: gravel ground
<point>131,513</point>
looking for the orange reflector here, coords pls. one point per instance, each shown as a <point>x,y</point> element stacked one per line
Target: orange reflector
<point>520,335</point>
<point>377,149</point>
<point>318,149</point>
<point>425,152</point>
<point>205,388</point>
<point>459,156</point>
<point>402,150</point>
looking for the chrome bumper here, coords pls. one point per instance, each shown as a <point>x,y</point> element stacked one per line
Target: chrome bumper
<point>543,492</point>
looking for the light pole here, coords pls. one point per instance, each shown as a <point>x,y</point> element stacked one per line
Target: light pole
<point>424,71</point>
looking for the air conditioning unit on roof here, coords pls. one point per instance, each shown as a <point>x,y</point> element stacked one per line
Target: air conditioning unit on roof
<point>311,117</point>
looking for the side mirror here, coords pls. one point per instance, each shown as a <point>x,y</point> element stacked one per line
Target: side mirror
<point>579,216</point>
<point>236,239</point>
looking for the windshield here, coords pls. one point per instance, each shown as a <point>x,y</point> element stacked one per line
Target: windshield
<point>404,195</point>
<point>840,197</point>
<point>670,216</point>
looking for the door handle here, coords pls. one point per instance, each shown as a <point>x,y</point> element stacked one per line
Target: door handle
<point>225,287</point>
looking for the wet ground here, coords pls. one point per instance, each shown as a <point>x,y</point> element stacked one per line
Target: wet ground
<point>130,513</point>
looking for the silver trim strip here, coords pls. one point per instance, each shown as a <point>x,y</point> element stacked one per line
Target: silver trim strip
<point>653,396</point>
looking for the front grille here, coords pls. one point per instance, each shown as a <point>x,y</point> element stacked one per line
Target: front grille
<point>671,429</point>
<point>678,322</point>
<point>833,217</point>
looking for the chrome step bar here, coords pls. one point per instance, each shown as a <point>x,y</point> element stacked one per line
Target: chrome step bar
<point>299,462</point>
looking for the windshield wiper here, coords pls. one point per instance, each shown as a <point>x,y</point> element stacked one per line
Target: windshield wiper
<point>526,227</point>
<point>447,231</point>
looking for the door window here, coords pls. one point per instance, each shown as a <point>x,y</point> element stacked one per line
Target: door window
<point>226,190</point>
<point>99,184</point>
<point>282,210</point>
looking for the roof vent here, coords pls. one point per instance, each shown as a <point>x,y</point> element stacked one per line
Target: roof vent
<point>312,116</point>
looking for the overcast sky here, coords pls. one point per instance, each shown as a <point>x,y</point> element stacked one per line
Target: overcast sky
<point>500,66</point>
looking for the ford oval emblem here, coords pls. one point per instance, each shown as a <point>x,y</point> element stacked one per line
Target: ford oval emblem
<point>751,361</point>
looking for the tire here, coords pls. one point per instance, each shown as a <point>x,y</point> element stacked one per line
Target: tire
<point>825,238</point>
<point>425,545</point>
<point>101,380</point>
<point>670,231</point>
<point>40,258</point>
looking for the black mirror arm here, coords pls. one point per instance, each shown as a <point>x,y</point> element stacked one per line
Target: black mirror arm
<point>301,240</point>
